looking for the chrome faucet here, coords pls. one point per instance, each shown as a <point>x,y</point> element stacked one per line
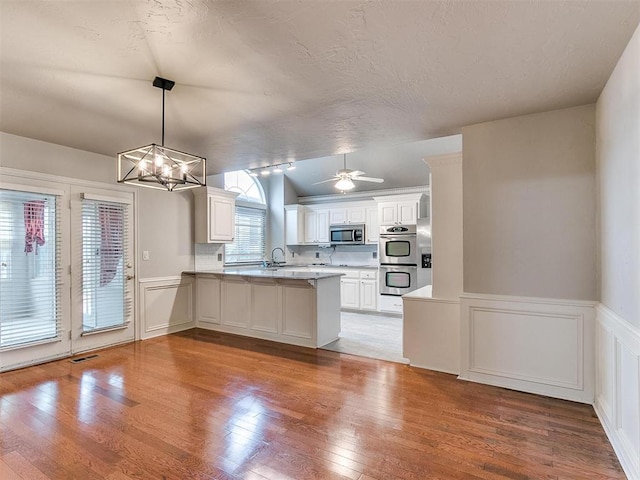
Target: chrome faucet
<point>273,261</point>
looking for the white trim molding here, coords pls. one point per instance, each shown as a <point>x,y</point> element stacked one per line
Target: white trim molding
<point>166,305</point>
<point>617,398</point>
<point>535,345</point>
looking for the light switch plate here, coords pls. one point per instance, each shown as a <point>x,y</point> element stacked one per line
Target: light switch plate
<point>145,255</point>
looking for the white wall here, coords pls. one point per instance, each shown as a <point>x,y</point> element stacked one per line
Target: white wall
<point>618,326</point>
<point>529,203</point>
<point>165,219</point>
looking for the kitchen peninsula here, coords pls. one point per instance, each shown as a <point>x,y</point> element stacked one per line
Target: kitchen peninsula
<point>298,308</point>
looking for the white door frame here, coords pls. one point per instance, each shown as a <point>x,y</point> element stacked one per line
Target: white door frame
<point>34,180</point>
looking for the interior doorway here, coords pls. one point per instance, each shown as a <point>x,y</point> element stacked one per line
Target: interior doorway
<point>370,335</point>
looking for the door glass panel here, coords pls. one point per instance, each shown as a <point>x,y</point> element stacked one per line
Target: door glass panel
<point>399,248</point>
<point>103,270</point>
<point>398,279</point>
<point>29,269</point>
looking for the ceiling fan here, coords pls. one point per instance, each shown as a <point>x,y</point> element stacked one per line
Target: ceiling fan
<point>344,178</point>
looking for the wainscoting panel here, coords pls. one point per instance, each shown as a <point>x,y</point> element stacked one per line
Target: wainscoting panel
<point>536,345</point>
<point>617,400</point>
<point>165,305</point>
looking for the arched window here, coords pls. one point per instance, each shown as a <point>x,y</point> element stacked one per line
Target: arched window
<point>251,219</point>
<point>247,186</point>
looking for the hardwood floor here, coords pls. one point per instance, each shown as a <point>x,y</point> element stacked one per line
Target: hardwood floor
<point>202,405</point>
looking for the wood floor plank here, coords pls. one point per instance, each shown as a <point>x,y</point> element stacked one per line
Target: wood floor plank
<point>208,405</point>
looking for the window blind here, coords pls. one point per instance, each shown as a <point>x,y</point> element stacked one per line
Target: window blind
<point>30,270</point>
<point>249,241</point>
<point>104,284</point>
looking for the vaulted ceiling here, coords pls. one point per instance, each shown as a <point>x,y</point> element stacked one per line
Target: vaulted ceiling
<point>263,81</point>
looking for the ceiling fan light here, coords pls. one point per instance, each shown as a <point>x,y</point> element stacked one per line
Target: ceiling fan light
<point>344,184</point>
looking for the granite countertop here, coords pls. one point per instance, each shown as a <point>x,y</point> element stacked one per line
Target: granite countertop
<point>280,273</point>
<point>326,265</point>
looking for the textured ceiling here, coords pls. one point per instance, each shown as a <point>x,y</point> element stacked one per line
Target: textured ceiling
<point>262,81</point>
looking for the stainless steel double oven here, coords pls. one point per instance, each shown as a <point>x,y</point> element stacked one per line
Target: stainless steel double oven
<point>401,251</point>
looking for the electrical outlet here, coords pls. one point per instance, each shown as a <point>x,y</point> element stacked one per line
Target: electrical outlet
<point>219,257</point>
<point>145,255</point>
<point>317,254</point>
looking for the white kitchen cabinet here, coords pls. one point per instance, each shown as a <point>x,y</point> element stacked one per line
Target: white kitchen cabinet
<point>372,225</point>
<point>368,290</point>
<point>347,214</point>
<point>215,215</point>
<point>368,294</point>
<point>316,226</point>
<point>356,215</point>
<point>337,216</point>
<point>402,209</point>
<point>350,293</point>
<point>390,303</point>
<point>398,213</point>
<point>294,224</point>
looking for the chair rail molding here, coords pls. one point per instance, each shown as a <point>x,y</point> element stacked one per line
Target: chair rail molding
<point>617,397</point>
<point>536,345</point>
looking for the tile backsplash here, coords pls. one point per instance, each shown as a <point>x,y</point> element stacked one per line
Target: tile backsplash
<point>338,255</point>
<point>206,256</point>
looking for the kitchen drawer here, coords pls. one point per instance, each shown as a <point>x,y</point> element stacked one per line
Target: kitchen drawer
<point>369,274</point>
<point>350,273</point>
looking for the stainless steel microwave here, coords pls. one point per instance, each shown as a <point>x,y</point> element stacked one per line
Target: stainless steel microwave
<point>351,234</point>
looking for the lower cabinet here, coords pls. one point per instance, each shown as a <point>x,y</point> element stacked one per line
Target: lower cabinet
<point>294,311</point>
<point>368,294</point>
<point>359,290</point>
<point>350,293</point>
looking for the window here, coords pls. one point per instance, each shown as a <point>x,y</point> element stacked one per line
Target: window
<point>104,236</point>
<point>251,219</point>
<point>29,269</point>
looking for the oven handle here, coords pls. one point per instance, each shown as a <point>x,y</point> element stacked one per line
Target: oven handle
<point>398,267</point>
<point>405,235</point>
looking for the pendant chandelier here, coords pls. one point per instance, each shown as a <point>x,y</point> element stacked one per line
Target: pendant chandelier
<point>156,166</point>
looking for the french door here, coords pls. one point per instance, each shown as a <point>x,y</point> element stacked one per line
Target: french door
<point>66,270</point>
<point>34,300</point>
<point>102,273</point>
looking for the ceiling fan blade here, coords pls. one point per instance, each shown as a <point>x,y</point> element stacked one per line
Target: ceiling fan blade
<point>369,179</point>
<point>356,173</point>
<point>325,181</point>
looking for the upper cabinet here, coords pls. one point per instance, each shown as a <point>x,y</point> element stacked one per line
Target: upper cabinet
<point>215,211</point>
<point>372,225</point>
<point>316,225</point>
<point>294,231</point>
<point>343,215</point>
<point>309,224</point>
<point>402,209</point>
